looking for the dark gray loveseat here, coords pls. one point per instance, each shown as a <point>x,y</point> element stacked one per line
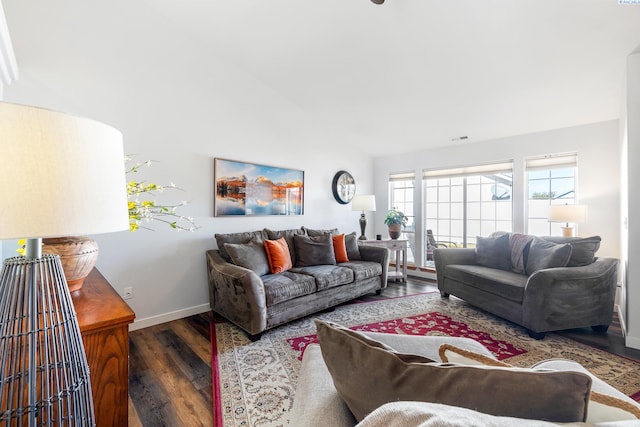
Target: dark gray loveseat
<point>247,294</point>
<point>544,284</point>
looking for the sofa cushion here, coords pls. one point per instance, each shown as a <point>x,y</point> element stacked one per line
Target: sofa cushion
<point>249,255</point>
<point>427,414</point>
<point>605,402</point>
<point>327,276</point>
<point>288,237</point>
<point>494,251</point>
<point>315,233</point>
<point>278,255</point>
<point>287,285</point>
<point>519,249</point>
<point>314,250</point>
<point>363,269</point>
<point>340,248</point>
<point>367,377</point>
<point>544,254</point>
<point>244,237</point>
<point>351,242</point>
<point>505,284</point>
<point>583,250</point>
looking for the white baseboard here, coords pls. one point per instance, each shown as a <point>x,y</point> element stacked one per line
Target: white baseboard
<point>422,274</point>
<point>623,326</point>
<point>168,317</point>
<point>632,342</point>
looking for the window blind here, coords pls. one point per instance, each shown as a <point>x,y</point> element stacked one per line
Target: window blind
<point>488,169</point>
<point>402,176</point>
<point>552,161</point>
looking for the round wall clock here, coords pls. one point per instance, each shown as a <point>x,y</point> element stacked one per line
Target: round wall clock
<point>343,187</point>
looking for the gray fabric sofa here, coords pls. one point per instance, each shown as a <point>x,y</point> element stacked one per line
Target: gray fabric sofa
<point>541,283</point>
<point>317,402</point>
<point>244,291</point>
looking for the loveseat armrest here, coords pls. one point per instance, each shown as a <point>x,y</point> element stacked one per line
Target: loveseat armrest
<point>377,254</point>
<point>236,293</point>
<point>570,297</point>
<point>448,256</point>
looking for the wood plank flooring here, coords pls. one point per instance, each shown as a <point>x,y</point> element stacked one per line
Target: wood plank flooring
<point>170,364</point>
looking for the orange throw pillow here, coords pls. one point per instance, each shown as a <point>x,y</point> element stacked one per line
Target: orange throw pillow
<point>278,255</point>
<point>340,248</point>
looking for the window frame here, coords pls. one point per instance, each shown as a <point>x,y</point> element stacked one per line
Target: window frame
<point>548,163</point>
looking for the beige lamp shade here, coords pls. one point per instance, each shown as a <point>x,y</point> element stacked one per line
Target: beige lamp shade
<point>568,213</point>
<point>61,175</point>
<point>363,203</point>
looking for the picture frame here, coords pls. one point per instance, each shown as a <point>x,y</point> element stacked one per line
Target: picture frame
<point>251,189</point>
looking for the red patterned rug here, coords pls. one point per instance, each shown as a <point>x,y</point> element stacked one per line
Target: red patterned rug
<point>254,382</point>
<point>424,324</point>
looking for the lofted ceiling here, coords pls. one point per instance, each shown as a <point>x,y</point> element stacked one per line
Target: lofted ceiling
<point>406,74</point>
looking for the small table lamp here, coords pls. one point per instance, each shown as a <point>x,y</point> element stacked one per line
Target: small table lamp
<point>61,175</point>
<point>568,214</point>
<point>363,203</point>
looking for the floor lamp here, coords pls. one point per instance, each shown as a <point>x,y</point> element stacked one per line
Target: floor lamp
<point>61,176</point>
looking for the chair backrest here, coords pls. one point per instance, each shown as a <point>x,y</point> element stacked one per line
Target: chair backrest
<point>430,239</point>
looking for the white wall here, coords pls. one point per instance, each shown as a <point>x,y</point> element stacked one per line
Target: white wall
<point>633,200</point>
<point>182,104</point>
<point>598,148</point>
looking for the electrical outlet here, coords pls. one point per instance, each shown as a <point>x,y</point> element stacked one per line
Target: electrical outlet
<point>128,293</point>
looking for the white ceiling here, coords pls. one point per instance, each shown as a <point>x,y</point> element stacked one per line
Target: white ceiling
<point>412,74</point>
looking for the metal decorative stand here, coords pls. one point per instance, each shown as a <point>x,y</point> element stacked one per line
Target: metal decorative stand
<point>44,375</point>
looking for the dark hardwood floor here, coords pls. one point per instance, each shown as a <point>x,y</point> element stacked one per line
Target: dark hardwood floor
<point>170,364</point>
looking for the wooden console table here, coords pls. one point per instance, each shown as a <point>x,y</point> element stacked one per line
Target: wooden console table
<point>104,320</point>
<point>400,249</point>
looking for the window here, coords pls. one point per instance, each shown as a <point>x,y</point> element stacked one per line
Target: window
<point>401,187</point>
<point>550,180</point>
<point>462,203</point>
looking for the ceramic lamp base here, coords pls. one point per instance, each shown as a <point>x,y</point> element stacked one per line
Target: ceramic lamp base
<point>363,227</point>
<point>568,232</point>
<point>78,256</point>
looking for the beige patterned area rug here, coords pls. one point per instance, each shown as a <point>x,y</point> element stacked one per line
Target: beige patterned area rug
<point>254,383</point>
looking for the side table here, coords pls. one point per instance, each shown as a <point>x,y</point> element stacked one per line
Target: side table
<point>104,320</point>
<point>400,248</point>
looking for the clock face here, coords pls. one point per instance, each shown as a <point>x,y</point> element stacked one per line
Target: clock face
<point>343,187</point>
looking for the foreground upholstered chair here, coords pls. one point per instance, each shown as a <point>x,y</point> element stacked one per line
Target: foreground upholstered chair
<point>318,403</point>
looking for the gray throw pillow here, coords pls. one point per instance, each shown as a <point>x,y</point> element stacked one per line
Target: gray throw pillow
<point>494,252</point>
<point>583,249</point>
<point>544,254</point>
<point>314,233</point>
<point>351,242</point>
<point>244,237</point>
<point>249,255</point>
<point>367,375</point>
<point>314,250</point>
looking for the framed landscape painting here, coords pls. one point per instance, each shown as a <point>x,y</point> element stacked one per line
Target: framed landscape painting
<point>249,189</point>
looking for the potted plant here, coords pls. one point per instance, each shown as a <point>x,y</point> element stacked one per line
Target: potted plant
<point>395,220</point>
